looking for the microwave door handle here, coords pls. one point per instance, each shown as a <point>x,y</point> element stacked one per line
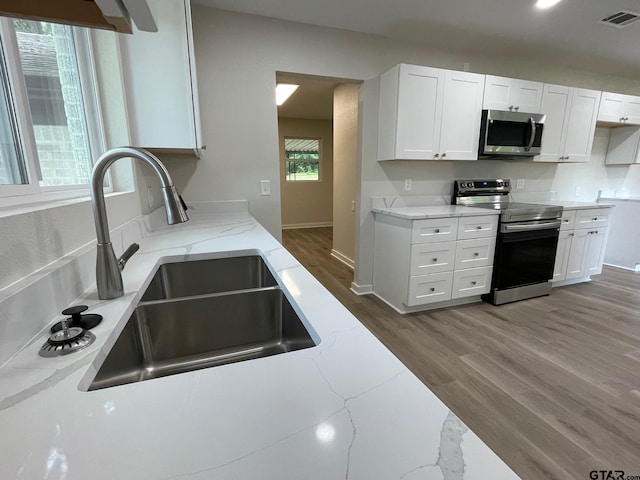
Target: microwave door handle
<point>533,134</point>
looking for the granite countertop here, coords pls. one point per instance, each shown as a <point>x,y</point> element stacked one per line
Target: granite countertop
<point>571,205</point>
<point>434,211</point>
<point>346,408</point>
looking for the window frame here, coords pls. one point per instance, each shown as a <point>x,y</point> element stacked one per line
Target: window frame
<point>320,156</point>
<point>32,192</point>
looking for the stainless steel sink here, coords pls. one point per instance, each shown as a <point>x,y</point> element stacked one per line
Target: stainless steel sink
<point>176,335</point>
<point>182,279</point>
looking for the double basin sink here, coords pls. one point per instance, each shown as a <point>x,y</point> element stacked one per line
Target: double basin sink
<point>200,314</point>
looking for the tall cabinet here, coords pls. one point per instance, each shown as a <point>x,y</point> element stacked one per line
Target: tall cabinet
<point>429,114</point>
<point>160,81</point>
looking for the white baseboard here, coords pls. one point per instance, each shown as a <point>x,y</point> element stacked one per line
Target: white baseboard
<point>432,306</point>
<point>635,270</point>
<point>571,281</point>
<point>291,226</point>
<point>343,258</point>
<point>361,289</point>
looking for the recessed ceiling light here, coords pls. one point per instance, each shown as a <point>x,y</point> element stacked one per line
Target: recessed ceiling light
<point>284,91</point>
<point>546,3</point>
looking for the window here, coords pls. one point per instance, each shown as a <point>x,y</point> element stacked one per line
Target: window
<point>302,159</point>
<point>47,87</point>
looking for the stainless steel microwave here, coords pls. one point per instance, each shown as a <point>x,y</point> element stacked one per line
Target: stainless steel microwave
<point>510,134</point>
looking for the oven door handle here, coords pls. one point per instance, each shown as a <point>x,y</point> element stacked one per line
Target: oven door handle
<point>533,134</point>
<point>527,227</point>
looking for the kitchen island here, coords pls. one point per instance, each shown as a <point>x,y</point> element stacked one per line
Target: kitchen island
<point>346,408</point>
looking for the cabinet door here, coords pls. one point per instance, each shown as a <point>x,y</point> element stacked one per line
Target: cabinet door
<point>427,258</point>
<point>419,113</point>
<point>525,96</point>
<point>592,218</point>
<point>575,262</point>
<point>581,126</point>
<point>429,288</point>
<point>611,106</point>
<point>556,102</point>
<point>434,230</point>
<point>461,115</point>
<point>562,256</point>
<point>474,281</point>
<point>594,251</point>
<point>477,226</point>
<point>496,93</point>
<point>631,110</point>
<point>159,76</point>
<point>475,253</point>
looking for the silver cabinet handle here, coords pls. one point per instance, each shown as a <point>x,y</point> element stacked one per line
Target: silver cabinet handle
<point>437,230</point>
<point>436,155</point>
<point>475,254</point>
<point>479,227</point>
<point>517,108</point>
<point>434,259</point>
<point>510,107</point>
<point>567,157</point>
<point>432,289</point>
<point>473,282</point>
<point>571,234</point>
<point>443,155</point>
<point>595,219</point>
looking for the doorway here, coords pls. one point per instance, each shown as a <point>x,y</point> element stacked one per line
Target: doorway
<point>317,130</point>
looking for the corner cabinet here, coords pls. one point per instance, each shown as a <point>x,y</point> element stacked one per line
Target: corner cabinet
<point>501,93</point>
<point>624,146</point>
<point>581,245</point>
<point>160,82</point>
<point>434,262</point>
<point>429,114</point>
<point>570,123</point>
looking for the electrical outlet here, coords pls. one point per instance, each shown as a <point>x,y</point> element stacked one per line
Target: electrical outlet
<point>407,184</point>
<point>353,205</point>
<point>578,190</point>
<point>465,66</point>
<point>637,269</point>
<point>265,187</point>
<point>520,183</point>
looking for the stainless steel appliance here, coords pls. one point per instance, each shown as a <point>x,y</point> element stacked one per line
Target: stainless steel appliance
<point>510,134</point>
<point>526,244</point>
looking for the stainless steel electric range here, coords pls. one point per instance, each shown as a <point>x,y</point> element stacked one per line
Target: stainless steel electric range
<point>526,244</point>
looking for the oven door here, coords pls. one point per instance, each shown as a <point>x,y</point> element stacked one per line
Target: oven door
<point>525,254</point>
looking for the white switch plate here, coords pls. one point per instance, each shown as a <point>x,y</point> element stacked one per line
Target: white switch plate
<point>520,183</point>
<point>578,190</point>
<point>265,187</point>
<point>408,184</point>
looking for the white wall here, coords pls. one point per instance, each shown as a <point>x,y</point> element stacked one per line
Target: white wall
<point>304,203</point>
<point>237,57</point>
<point>345,162</point>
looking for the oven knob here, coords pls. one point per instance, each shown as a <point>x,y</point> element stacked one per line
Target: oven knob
<point>506,184</point>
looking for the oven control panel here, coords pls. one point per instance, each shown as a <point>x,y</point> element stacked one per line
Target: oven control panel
<point>498,185</point>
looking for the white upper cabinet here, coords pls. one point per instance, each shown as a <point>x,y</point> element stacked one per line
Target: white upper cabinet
<point>624,146</point>
<point>618,108</point>
<point>429,114</point>
<point>501,93</point>
<point>160,82</point>
<point>570,123</point>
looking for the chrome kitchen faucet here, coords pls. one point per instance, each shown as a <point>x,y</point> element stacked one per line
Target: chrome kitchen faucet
<point>108,267</point>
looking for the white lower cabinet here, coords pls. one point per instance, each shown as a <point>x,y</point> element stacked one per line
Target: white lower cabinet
<point>432,261</point>
<point>581,244</point>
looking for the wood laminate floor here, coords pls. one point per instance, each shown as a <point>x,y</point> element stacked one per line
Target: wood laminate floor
<point>551,384</point>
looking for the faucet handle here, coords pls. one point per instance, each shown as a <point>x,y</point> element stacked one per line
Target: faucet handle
<point>128,253</point>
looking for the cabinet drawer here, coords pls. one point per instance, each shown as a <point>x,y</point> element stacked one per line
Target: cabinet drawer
<point>429,288</point>
<point>474,281</point>
<point>594,217</point>
<point>434,230</point>
<point>430,258</point>
<point>474,253</point>
<point>568,220</point>
<point>477,227</point>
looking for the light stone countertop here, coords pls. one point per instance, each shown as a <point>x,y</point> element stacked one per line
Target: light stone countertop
<point>571,205</point>
<point>346,408</point>
<point>433,211</point>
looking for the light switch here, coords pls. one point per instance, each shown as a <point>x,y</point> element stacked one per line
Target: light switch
<point>520,183</point>
<point>265,187</point>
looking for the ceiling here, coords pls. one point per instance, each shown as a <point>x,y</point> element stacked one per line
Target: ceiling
<point>567,33</point>
<point>312,100</point>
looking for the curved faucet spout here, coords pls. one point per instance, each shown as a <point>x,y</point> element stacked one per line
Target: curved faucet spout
<point>108,277</point>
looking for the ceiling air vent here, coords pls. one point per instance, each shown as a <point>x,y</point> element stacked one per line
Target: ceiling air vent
<point>621,19</point>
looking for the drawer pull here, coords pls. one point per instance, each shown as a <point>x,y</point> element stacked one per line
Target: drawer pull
<point>594,219</point>
<point>434,259</point>
<point>473,282</point>
<point>432,289</point>
<point>566,220</point>
<point>475,254</point>
<point>479,227</point>
<point>437,230</point>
